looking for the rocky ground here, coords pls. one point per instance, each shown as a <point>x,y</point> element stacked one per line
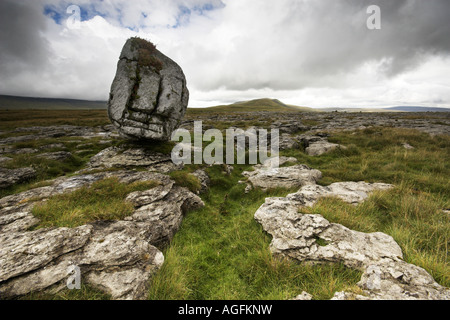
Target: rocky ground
<point>120,257</point>
<point>430,122</point>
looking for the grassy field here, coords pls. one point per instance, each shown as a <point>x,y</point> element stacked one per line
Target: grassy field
<point>11,119</point>
<point>221,252</point>
<point>104,200</point>
<point>26,103</point>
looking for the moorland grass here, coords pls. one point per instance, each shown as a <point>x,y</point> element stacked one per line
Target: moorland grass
<point>103,200</point>
<point>12,119</point>
<point>377,155</point>
<point>48,169</point>
<point>221,252</point>
<point>187,180</point>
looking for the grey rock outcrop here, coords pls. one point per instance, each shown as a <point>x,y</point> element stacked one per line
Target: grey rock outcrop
<point>395,279</point>
<point>148,96</point>
<point>4,159</point>
<point>267,177</point>
<point>204,179</point>
<point>287,142</point>
<point>9,177</point>
<point>313,239</point>
<point>107,254</point>
<point>317,145</point>
<point>407,146</point>
<point>117,257</point>
<point>304,296</point>
<point>129,157</point>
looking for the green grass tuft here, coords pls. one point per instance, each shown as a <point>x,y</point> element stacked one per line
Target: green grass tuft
<point>187,180</point>
<point>103,200</point>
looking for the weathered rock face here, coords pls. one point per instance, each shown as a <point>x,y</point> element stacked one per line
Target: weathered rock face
<point>121,157</point>
<point>266,177</point>
<point>203,177</point>
<point>317,145</point>
<point>117,257</point>
<point>313,239</point>
<point>148,96</point>
<point>9,177</point>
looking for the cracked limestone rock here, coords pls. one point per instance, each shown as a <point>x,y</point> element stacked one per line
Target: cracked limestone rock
<point>129,157</point>
<point>148,96</point>
<point>313,239</point>
<point>116,257</point>
<point>10,177</point>
<point>267,177</point>
<point>317,145</point>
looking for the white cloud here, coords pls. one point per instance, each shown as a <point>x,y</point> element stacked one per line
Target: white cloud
<point>301,52</point>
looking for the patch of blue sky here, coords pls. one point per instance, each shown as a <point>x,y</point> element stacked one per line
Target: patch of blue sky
<point>184,14</point>
<point>89,12</point>
<point>59,13</point>
<point>209,6</point>
<point>53,12</point>
<point>183,17</point>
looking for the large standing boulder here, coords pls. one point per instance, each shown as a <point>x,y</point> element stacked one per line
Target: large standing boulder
<point>148,96</point>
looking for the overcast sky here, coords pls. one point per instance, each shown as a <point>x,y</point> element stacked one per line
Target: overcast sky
<point>316,53</point>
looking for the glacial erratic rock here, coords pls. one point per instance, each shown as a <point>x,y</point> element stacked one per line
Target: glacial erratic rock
<point>148,96</point>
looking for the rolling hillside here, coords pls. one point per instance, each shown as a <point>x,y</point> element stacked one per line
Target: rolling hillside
<point>253,105</point>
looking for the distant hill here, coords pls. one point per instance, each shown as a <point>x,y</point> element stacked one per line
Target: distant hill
<point>253,105</point>
<point>419,109</point>
<point>21,103</point>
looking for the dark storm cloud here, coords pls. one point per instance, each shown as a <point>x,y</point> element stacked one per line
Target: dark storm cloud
<point>23,46</point>
<point>313,42</point>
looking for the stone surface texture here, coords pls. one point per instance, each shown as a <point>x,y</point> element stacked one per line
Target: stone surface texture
<point>313,239</point>
<point>117,257</point>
